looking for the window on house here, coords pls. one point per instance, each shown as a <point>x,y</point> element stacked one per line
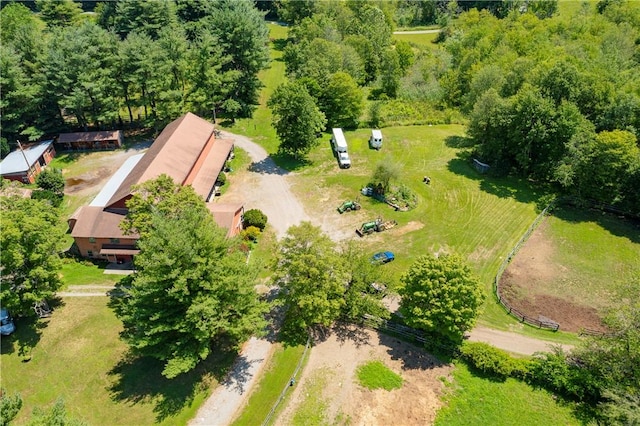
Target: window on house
<point>92,240</point>
<point>114,240</point>
<point>89,253</point>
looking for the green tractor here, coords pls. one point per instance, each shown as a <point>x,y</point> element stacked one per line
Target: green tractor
<point>377,225</point>
<point>347,206</point>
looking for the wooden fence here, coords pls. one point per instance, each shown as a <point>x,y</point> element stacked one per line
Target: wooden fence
<point>536,322</point>
<point>267,420</point>
<point>543,322</point>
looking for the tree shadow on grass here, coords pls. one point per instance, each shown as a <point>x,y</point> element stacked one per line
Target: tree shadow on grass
<point>459,142</point>
<point>289,162</point>
<point>27,334</point>
<point>617,225</point>
<point>519,189</point>
<point>26,337</point>
<point>68,157</point>
<point>139,379</point>
<point>279,44</point>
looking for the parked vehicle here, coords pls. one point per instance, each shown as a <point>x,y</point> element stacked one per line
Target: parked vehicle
<point>375,141</point>
<point>347,206</point>
<point>339,144</point>
<point>6,322</point>
<point>375,226</point>
<point>383,257</point>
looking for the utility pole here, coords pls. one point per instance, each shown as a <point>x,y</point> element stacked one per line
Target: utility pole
<point>25,160</point>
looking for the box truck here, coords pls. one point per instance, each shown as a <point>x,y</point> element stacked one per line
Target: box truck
<point>339,144</point>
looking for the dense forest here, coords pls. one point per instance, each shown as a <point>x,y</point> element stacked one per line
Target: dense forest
<point>551,98</point>
<point>126,61</point>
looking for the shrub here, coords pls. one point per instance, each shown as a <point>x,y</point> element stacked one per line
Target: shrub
<point>492,361</point>
<point>9,406</point>
<point>222,179</point>
<point>55,199</point>
<point>254,217</point>
<point>555,371</point>
<point>251,233</point>
<point>51,180</point>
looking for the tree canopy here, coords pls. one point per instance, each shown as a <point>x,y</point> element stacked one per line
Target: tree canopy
<point>193,291</point>
<point>138,56</point>
<point>441,295</point>
<point>30,234</point>
<point>296,118</point>
<point>311,278</point>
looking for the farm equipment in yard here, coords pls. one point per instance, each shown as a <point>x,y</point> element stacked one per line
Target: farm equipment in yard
<point>347,206</point>
<point>375,226</point>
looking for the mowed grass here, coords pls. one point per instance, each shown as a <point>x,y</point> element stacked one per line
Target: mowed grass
<point>275,379</point>
<point>77,355</point>
<point>461,211</point>
<point>259,128</point>
<point>83,273</point>
<point>472,400</point>
<point>597,253</point>
<point>376,375</point>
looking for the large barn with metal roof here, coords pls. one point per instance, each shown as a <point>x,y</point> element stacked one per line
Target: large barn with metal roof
<point>188,151</point>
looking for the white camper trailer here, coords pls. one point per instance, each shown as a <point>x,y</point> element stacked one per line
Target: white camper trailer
<point>339,144</point>
<point>375,141</point>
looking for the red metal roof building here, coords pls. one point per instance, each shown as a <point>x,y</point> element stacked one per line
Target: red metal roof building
<point>187,151</point>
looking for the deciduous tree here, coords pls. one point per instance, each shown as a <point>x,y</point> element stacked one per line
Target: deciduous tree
<point>341,101</point>
<point>296,118</point>
<point>30,233</point>
<point>440,295</point>
<point>52,180</point>
<point>193,291</point>
<point>311,277</point>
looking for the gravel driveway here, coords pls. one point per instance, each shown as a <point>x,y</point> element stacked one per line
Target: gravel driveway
<point>266,187</point>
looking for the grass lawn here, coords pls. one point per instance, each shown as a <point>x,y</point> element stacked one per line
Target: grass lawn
<point>472,400</point>
<point>312,411</point>
<point>477,216</point>
<point>81,273</point>
<point>78,356</point>
<point>597,252</point>
<point>376,375</point>
<point>275,379</point>
<point>259,127</point>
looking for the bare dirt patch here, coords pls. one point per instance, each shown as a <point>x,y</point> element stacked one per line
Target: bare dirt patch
<point>96,169</point>
<point>522,286</point>
<point>346,402</point>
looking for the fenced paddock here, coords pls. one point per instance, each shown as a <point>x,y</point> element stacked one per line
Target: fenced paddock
<point>536,322</point>
<point>578,314</point>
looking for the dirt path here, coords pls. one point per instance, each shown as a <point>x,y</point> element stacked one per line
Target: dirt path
<point>267,187</point>
<point>221,407</point>
<point>512,342</point>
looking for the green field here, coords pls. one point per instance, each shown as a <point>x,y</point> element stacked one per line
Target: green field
<point>597,253</point>
<point>420,41</point>
<point>472,400</point>
<point>77,355</point>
